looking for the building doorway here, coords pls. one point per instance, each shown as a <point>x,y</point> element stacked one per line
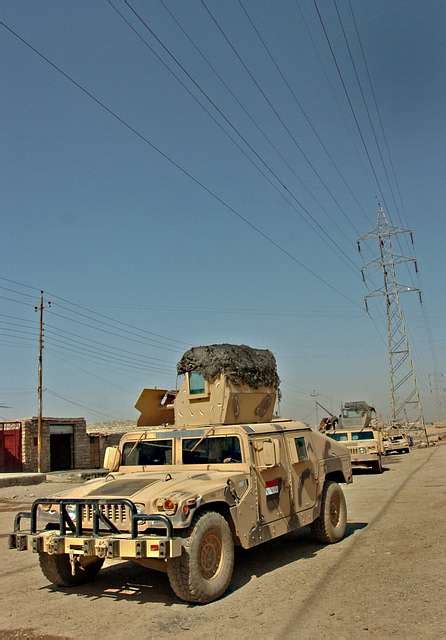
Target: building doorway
<point>61,447</point>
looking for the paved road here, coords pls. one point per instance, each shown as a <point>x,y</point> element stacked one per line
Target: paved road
<point>387,579</point>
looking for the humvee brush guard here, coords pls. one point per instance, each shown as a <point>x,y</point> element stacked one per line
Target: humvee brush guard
<point>180,496</point>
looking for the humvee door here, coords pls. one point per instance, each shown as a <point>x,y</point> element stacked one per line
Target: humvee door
<point>303,471</point>
<point>271,466</point>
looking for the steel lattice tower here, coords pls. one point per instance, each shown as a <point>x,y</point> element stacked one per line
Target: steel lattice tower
<point>405,400</point>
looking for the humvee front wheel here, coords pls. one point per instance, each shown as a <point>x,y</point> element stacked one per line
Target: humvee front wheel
<point>331,524</point>
<point>204,570</point>
<point>377,466</point>
<point>57,569</point>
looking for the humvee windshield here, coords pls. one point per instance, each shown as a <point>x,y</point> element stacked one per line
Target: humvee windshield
<point>147,452</point>
<point>363,435</point>
<point>339,437</point>
<point>211,450</point>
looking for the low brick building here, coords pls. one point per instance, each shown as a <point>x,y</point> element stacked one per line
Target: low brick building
<point>66,445</point>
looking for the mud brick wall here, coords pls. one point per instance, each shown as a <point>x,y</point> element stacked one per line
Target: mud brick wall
<point>80,443</point>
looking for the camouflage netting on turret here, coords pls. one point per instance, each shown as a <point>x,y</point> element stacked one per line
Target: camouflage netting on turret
<point>241,364</point>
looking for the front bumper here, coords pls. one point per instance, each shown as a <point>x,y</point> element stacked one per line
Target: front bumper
<point>397,449</point>
<point>364,458</point>
<point>105,540</point>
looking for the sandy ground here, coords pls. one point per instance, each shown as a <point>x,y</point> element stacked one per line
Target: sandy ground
<point>387,579</point>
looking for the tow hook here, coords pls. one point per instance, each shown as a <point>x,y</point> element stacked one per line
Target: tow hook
<point>73,561</point>
<point>102,549</point>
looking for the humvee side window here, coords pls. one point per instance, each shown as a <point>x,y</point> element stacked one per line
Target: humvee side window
<point>211,450</point>
<point>196,383</point>
<point>363,435</point>
<point>147,452</point>
<point>339,437</point>
<point>301,449</point>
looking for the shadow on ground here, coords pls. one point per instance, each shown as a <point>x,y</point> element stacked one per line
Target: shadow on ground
<point>129,581</point>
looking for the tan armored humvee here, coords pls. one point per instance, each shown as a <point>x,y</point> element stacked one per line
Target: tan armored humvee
<point>219,472</point>
<point>395,441</point>
<point>357,429</point>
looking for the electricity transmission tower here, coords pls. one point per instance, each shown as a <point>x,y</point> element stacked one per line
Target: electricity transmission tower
<point>405,400</point>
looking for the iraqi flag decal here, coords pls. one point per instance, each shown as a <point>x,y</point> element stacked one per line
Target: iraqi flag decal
<point>272,487</point>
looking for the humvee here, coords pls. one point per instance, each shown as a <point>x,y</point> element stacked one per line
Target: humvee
<point>217,472</point>
<point>358,431</point>
<point>395,442</point>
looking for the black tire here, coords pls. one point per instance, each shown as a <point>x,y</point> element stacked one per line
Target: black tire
<point>331,525</point>
<point>57,569</point>
<point>204,570</point>
<point>377,465</point>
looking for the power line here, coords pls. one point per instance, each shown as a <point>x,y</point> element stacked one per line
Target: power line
<point>347,95</point>
<point>331,86</point>
<point>20,293</point>
<point>267,100</point>
<point>287,189</point>
<point>109,353</point>
<point>378,111</point>
<point>101,329</point>
<point>79,404</point>
<point>372,126</point>
<point>26,304</point>
<point>364,100</point>
<point>262,131</point>
<point>306,117</point>
<point>148,341</point>
<point>124,332</point>
<point>104,355</point>
<point>173,162</point>
<point>58,330</point>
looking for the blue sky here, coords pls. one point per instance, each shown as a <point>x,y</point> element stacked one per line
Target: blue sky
<point>92,214</point>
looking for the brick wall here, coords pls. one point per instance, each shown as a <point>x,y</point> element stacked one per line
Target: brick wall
<point>80,443</point>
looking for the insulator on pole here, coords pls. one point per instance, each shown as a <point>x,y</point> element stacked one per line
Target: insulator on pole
<point>416,266</point>
<point>411,237</point>
<point>366,305</point>
<point>420,297</point>
<point>363,276</point>
<point>359,246</point>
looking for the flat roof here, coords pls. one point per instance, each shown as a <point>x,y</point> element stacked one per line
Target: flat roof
<point>170,431</point>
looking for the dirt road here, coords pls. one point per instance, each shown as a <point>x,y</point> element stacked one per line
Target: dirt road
<point>386,579</point>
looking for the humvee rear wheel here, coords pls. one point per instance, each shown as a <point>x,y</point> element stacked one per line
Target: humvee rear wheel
<point>331,524</point>
<point>204,570</point>
<point>57,569</point>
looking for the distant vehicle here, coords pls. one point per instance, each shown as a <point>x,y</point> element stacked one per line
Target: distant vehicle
<point>181,496</point>
<point>396,443</point>
<point>357,430</point>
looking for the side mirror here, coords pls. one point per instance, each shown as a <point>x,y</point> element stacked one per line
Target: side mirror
<point>112,458</point>
<point>266,451</point>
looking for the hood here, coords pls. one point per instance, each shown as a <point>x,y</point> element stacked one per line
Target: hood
<point>146,487</point>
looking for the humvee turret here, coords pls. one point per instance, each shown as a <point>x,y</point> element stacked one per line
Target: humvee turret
<point>358,430</point>
<point>180,496</point>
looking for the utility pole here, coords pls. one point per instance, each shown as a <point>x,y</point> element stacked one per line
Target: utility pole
<point>405,399</point>
<point>40,309</point>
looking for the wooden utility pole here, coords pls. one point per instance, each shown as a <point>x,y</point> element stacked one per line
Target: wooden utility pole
<point>40,449</point>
